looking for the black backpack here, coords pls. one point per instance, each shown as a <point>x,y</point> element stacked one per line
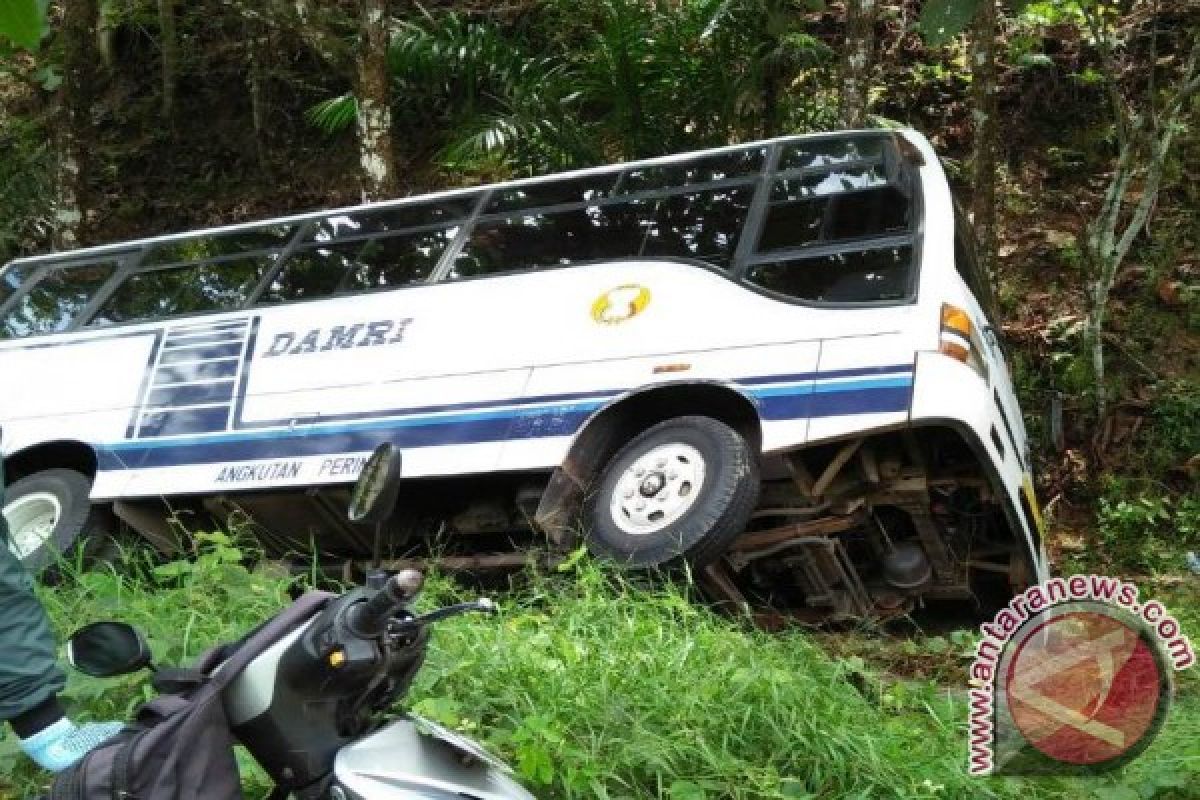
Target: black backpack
<point>179,745</point>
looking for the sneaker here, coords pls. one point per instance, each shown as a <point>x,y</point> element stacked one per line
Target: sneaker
<point>64,743</point>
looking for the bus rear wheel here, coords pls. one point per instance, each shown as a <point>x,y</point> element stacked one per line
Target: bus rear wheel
<point>680,491</point>
<point>47,513</point>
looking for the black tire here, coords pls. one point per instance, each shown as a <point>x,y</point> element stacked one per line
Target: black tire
<point>703,532</point>
<point>78,520</point>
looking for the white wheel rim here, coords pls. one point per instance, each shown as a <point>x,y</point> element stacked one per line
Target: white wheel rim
<point>31,522</point>
<point>657,489</point>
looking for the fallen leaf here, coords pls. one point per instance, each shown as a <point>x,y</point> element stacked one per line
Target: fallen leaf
<point>1170,292</point>
<point>1059,238</point>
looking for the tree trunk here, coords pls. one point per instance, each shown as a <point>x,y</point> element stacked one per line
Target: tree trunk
<point>770,102</point>
<point>258,50</point>
<point>374,104</point>
<point>80,56</point>
<point>169,45</point>
<point>857,60</point>
<point>983,161</point>
<point>1144,147</point>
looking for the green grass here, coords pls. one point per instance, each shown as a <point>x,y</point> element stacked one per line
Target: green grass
<point>595,688</point>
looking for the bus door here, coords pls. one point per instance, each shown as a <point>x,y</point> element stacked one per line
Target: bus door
<point>865,376</point>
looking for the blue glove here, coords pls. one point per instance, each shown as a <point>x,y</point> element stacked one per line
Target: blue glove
<point>63,743</point>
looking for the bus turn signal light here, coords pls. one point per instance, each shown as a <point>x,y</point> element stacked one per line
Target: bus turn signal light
<point>958,339</point>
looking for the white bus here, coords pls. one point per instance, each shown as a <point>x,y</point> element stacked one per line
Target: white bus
<point>778,361</point>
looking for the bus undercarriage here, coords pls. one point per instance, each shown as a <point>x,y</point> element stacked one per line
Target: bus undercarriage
<point>867,527</point>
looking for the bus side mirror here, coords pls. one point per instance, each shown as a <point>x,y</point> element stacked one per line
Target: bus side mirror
<point>374,497</point>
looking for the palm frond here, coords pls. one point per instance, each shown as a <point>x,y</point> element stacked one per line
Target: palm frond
<point>335,114</point>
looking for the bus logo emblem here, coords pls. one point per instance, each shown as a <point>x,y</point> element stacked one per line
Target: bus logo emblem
<point>619,304</point>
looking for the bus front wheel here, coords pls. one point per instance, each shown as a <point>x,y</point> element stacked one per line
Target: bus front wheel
<point>47,512</point>
<point>682,490</point>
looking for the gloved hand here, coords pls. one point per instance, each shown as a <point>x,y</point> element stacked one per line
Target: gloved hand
<point>62,744</point>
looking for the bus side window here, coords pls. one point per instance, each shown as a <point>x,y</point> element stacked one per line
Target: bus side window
<point>213,246</point>
<point>11,280</point>
<point>310,273</point>
<point>702,225</point>
<point>842,204</point>
<point>188,289</point>
<point>586,189</point>
<point>837,228</point>
<point>746,164</point>
<point>389,221</point>
<point>50,305</point>
<point>539,240</point>
<point>397,260</point>
<point>831,151</point>
<point>852,276</point>
<point>355,265</point>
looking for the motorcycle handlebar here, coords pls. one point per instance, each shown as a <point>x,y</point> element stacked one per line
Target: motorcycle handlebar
<point>370,619</point>
<point>483,605</point>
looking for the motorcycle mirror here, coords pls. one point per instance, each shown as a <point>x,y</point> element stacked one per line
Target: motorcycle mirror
<point>106,649</point>
<point>374,497</point>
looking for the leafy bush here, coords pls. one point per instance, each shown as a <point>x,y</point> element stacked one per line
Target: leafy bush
<point>1147,532</point>
<point>1174,434</point>
<point>26,185</point>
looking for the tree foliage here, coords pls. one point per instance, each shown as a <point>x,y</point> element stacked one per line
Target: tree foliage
<point>942,20</point>
<point>593,83</point>
<point>22,22</point>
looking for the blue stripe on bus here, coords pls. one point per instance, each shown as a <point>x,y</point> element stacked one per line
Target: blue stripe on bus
<point>827,374</point>
<point>475,427</point>
<point>496,416</point>
<point>834,399</point>
<point>605,394</point>
<point>294,444</point>
<point>812,405</point>
<point>533,400</point>
<point>840,386</point>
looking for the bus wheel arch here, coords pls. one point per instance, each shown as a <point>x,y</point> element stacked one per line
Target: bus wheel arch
<point>1027,565</point>
<point>64,454</point>
<point>47,501</point>
<point>618,423</point>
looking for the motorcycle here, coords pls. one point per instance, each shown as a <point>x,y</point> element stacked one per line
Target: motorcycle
<point>309,707</point>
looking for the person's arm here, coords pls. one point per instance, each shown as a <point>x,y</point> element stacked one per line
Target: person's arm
<point>30,679</point>
<point>29,674</point>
